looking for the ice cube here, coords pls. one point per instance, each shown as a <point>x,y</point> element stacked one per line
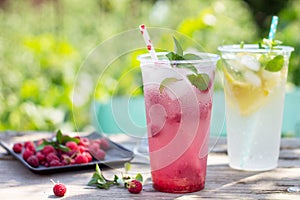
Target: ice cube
<point>178,89</point>
<point>157,117</point>
<point>250,62</point>
<point>252,78</point>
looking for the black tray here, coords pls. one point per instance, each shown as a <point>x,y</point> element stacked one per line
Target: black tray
<point>115,155</point>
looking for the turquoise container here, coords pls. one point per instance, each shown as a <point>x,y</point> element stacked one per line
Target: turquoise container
<point>127,115</point>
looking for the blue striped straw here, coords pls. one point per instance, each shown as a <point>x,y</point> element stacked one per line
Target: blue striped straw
<point>273,27</point>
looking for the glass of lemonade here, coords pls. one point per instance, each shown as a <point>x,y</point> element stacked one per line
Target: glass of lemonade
<point>178,112</point>
<point>254,86</point>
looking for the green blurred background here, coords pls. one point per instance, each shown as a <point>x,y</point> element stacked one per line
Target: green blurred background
<point>43,43</point>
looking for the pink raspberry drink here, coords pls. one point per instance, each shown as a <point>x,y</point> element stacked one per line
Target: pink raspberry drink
<point>178,110</point>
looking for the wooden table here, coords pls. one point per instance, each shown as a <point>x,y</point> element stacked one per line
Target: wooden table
<point>17,182</point>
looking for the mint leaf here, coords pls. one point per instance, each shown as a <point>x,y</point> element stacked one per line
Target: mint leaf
<point>190,56</point>
<point>59,136</point>
<point>166,82</point>
<point>127,167</point>
<point>188,66</point>
<point>177,48</point>
<point>173,56</point>
<point>139,177</point>
<point>242,44</point>
<point>263,60</point>
<point>200,81</point>
<point>275,64</point>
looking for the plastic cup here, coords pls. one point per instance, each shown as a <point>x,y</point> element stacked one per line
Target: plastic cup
<point>178,120</point>
<point>254,86</point>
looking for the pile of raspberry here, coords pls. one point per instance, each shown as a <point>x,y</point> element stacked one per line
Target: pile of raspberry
<point>83,152</point>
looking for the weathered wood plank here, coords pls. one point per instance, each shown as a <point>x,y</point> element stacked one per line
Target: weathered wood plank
<point>16,182</point>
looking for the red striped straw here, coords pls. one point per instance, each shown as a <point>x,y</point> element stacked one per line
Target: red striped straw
<point>148,42</point>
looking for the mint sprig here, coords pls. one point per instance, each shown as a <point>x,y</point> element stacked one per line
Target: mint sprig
<point>270,64</point>
<point>267,61</point>
<point>98,180</point>
<point>58,142</point>
<point>199,80</point>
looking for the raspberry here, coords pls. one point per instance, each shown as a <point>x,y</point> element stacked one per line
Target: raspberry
<point>33,161</point>
<point>81,159</point>
<point>72,145</point>
<point>99,154</point>
<point>18,147</point>
<point>29,144</point>
<point>41,157</point>
<point>59,189</point>
<point>84,142</point>
<point>94,146</point>
<point>51,156</point>
<point>134,187</point>
<point>65,159</point>
<point>88,156</point>
<point>27,153</point>
<point>104,144</point>
<point>54,163</point>
<point>81,148</point>
<point>48,149</point>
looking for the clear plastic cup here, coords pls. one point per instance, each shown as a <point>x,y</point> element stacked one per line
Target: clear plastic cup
<point>178,120</point>
<point>254,89</point>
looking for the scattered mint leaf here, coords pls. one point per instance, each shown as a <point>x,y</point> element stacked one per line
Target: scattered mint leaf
<point>127,167</point>
<point>275,64</point>
<point>99,181</point>
<point>242,44</point>
<point>200,81</point>
<point>139,177</point>
<point>177,48</point>
<point>166,82</point>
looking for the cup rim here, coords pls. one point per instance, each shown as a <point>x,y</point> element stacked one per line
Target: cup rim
<point>205,57</point>
<point>252,48</point>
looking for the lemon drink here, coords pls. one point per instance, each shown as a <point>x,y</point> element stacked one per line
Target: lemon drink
<point>254,86</point>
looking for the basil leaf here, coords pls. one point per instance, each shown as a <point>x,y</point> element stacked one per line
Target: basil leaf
<point>275,64</point>
<point>200,81</point>
<point>178,48</point>
<point>164,83</point>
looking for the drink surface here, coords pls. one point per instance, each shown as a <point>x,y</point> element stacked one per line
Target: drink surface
<point>178,121</point>
<point>254,108</point>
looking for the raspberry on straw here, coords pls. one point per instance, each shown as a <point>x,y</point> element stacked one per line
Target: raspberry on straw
<point>148,42</point>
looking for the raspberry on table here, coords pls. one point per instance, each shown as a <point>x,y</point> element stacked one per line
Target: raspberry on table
<point>134,186</point>
<point>59,189</point>
<point>17,148</point>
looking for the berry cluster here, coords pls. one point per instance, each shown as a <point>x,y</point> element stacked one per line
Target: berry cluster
<point>82,151</point>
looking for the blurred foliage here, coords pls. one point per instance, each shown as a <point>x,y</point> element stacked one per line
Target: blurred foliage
<point>43,43</point>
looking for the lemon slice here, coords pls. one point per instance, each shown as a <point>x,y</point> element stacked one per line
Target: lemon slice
<point>248,97</point>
